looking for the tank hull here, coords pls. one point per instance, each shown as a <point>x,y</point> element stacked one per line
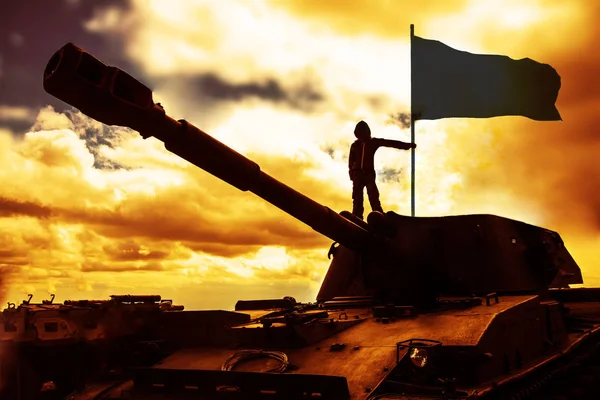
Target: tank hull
<point>520,346</point>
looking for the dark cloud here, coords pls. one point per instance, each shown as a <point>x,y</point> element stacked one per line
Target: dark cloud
<point>103,163</point>
<point>97,135</point>
<point>330,150</point>
<point>12,257</point>
<point>221,249</point>
<point>212,88</point>
<point>40,28</point>
<point>121,267</point>
<point>190,214</point>
<point>16,126</point>
<point>17,120</point>
<point>154,219</point>
<point>389,174</point>
<point>207,235</point>
<point>132,251</point>
<point>400,119</point>
<point>12,207</point>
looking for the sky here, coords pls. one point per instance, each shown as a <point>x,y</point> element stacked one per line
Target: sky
<point>88,210</point>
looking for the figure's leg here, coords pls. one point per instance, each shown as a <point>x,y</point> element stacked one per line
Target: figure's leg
<point>373,194</point>
<point>357,199</point>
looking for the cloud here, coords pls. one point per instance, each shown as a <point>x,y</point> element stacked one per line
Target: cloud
<point>364,17</point>
<point>140,202</point>
<point>389,174</point>
<point>17,119</point>
<point>401,119</point>
<point>16,113</point>
<point>13,257</point>
<point>153,266</point>
<point>215,88</point>
<point>71,220</point>
<point>25,47</point>
<point>284,85</point>
<point>549,167</point>
<point>543,173</point>
<point>190,38</point>
<point>11,207</point>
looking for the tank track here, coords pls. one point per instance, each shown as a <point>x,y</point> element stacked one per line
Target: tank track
<point>575,379</point>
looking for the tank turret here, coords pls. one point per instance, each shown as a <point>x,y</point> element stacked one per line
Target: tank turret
<point>405,260</point>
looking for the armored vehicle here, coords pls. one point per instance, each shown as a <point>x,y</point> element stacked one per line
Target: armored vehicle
<point>79,340</point>
<point>454,307</point>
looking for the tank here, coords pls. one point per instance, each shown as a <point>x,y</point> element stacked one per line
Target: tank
<point>453,307</point>
<point>71,343</point>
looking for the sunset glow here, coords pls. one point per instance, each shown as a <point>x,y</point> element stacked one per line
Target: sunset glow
<point>87,211</point>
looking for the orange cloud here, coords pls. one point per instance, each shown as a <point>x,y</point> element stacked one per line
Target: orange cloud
<point>381,18</point>
<point>11,208</point>
<point>154,214</point>
<point>544,173</point>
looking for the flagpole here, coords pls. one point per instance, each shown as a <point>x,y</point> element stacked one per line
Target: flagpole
<point>412,133</point>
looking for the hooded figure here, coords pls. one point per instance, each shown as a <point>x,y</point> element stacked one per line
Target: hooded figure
<point>361,166</point>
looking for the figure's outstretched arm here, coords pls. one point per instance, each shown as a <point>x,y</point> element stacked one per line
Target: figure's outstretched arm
<point>396,144</point>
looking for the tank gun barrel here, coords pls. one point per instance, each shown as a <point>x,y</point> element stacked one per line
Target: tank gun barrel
<point>113,97</point>
<point>132,298</point>
<point>85,303</point>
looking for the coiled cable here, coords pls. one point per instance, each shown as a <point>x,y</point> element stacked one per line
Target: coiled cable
<point>245,355</point>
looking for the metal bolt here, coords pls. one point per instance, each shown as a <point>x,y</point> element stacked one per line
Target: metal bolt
<point>356,347</point>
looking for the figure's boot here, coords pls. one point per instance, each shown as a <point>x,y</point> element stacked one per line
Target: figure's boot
<point>377,208</point>
<point>358,210</point>
<point>357,200</point>
<point>373,194</point>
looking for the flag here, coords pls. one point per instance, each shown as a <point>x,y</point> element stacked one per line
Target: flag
<point>450,83</point>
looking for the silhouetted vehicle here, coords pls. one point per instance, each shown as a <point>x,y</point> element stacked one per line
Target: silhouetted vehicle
<point>77,341</point>
<point>456,307</point>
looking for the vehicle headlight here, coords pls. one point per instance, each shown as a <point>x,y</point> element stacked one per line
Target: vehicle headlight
<point>417,350</point>
<point>418,356</point>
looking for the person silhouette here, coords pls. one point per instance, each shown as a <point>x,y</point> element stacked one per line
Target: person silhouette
<point>361,166</point>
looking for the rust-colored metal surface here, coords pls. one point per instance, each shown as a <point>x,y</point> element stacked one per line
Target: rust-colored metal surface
<point>363,367</point>
<point>368,350</point>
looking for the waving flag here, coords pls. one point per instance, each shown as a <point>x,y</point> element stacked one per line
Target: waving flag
<point>450,83</point>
